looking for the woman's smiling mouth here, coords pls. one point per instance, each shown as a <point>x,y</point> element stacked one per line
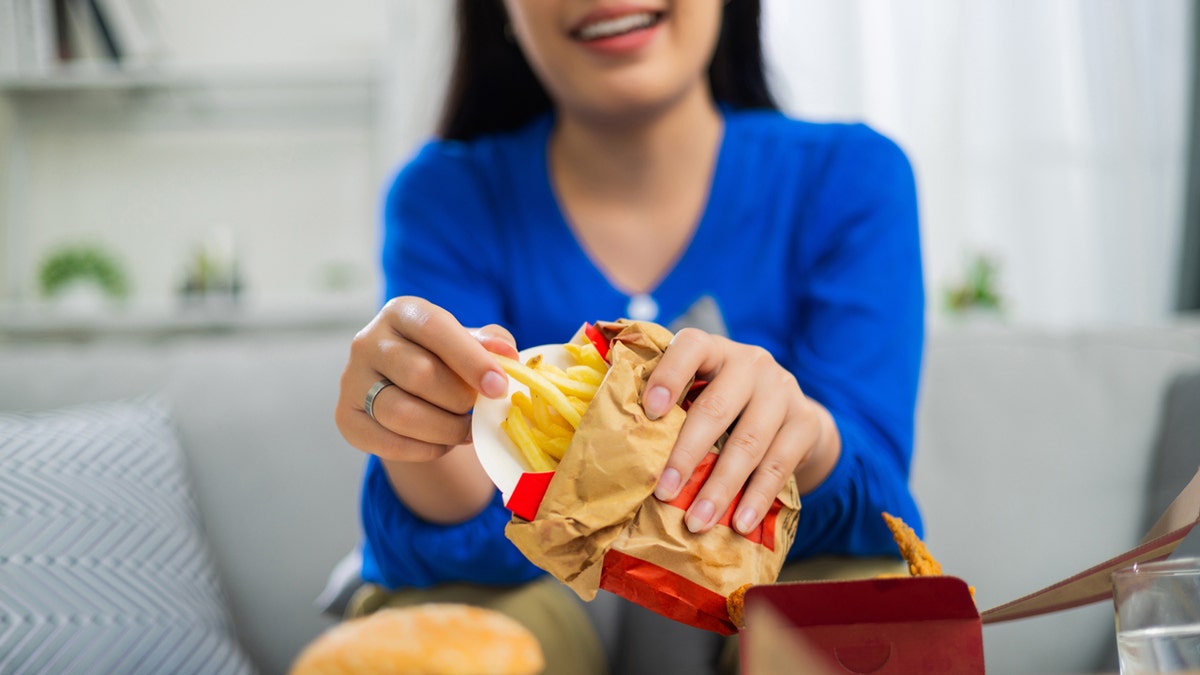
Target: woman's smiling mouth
<point>617,25</point>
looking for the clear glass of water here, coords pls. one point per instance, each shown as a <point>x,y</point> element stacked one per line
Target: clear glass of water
<point>1158,616</point>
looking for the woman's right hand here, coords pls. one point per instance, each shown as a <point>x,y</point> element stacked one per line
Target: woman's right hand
<point>437,367</point>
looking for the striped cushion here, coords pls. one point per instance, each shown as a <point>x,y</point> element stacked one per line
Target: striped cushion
<point>103,564</point>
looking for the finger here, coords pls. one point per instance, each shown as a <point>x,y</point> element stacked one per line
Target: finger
<point>497,340</point>
<point>690,352</point>
<point>741,455</point>
<point>438,331</point>
<point>365,434</point>
<point>791,445</point>
<point>407,415</point>
<point>421,373</point>
<point>709,416</point>
<point>402,412</point>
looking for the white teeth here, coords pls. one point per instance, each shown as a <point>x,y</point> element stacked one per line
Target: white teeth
<point>621,24</point>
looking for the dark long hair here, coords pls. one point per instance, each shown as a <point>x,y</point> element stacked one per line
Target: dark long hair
<point>492,87</point>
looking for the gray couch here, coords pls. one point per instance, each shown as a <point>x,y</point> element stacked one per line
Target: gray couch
<point>1034,452</point>
<point>1034,461</point>
<point>275,482</point>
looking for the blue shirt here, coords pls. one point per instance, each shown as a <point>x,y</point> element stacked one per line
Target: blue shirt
<point>808,246</point>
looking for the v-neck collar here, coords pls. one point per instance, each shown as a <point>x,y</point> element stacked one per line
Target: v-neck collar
<point>577,259</point>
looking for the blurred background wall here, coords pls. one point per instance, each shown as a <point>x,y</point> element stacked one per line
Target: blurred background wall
<point>1049,139</point>
<point>1049,136</point>
<point>250,136</point>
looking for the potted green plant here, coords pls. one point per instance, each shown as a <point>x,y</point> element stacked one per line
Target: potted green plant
<point>82,270</point>
<point>977,293</point>
<point>210,280</point>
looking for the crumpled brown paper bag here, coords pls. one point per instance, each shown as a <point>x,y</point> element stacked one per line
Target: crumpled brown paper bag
<point>600,526</point>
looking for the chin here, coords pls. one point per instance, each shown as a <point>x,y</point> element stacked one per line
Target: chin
<point>630,97</point>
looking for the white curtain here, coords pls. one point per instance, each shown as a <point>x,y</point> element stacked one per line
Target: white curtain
<point>416,71</point>
<point>1049,134</point>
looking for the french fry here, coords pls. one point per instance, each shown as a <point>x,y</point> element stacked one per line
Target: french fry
<point>586,355</point>
<point>518,430</point>
<point>565,383</point>
<point>555,446</point>
<point>542,423</point>
<point>537,382</point>
<point>547,419</point>
<point>579,404</point>
<point>528,408</point>
<point>585,374</point>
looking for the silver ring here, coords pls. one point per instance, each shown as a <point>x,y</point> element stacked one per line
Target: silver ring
<point>369,402</point>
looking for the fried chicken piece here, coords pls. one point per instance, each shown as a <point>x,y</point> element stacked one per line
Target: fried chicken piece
<point>735,604</point>
<point>920,562</point>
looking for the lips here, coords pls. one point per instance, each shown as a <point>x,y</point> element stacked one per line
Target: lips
<point>603,25</point>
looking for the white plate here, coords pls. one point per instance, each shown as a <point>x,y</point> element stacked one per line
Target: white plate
<point>500,458</point>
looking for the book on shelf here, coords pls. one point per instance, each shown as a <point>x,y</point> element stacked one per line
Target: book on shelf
<point>82,38</point>
<point>8,38</point>
<point>121,31</point>
<point>62,44</point>
<point>38,35</point>
<point>28,41</point>
<point>108,40</point>
<point>134,27</point>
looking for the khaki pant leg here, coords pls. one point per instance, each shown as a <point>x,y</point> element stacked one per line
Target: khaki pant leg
<point>545,607</point>
<point>820,568</point>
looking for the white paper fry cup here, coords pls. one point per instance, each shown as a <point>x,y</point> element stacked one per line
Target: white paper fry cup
<point>497,453</point>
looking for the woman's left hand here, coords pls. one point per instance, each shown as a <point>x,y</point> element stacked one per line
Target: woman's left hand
<point>775,430</point>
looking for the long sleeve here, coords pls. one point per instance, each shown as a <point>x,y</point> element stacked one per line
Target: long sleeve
<point>859,349</point>
<point>438,244</point>
<point>441,238</point>
<point>401,550</point>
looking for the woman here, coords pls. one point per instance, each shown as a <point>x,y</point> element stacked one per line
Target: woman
<point>600,160</point>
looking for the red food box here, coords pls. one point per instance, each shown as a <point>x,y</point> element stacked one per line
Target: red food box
<point>918,624</point>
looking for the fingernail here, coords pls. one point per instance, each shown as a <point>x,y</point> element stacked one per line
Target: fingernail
<point>699,515</point>
<point>656,402</point>
<point>493,385</point>
<point>494,343</point>
<point>668,485</point>
<point>745,520</point>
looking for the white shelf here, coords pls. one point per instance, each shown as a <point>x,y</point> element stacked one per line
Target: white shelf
<point>102,76</point>
<point>36,324</point>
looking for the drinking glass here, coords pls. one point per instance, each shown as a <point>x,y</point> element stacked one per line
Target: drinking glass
<point>1158,616</point>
